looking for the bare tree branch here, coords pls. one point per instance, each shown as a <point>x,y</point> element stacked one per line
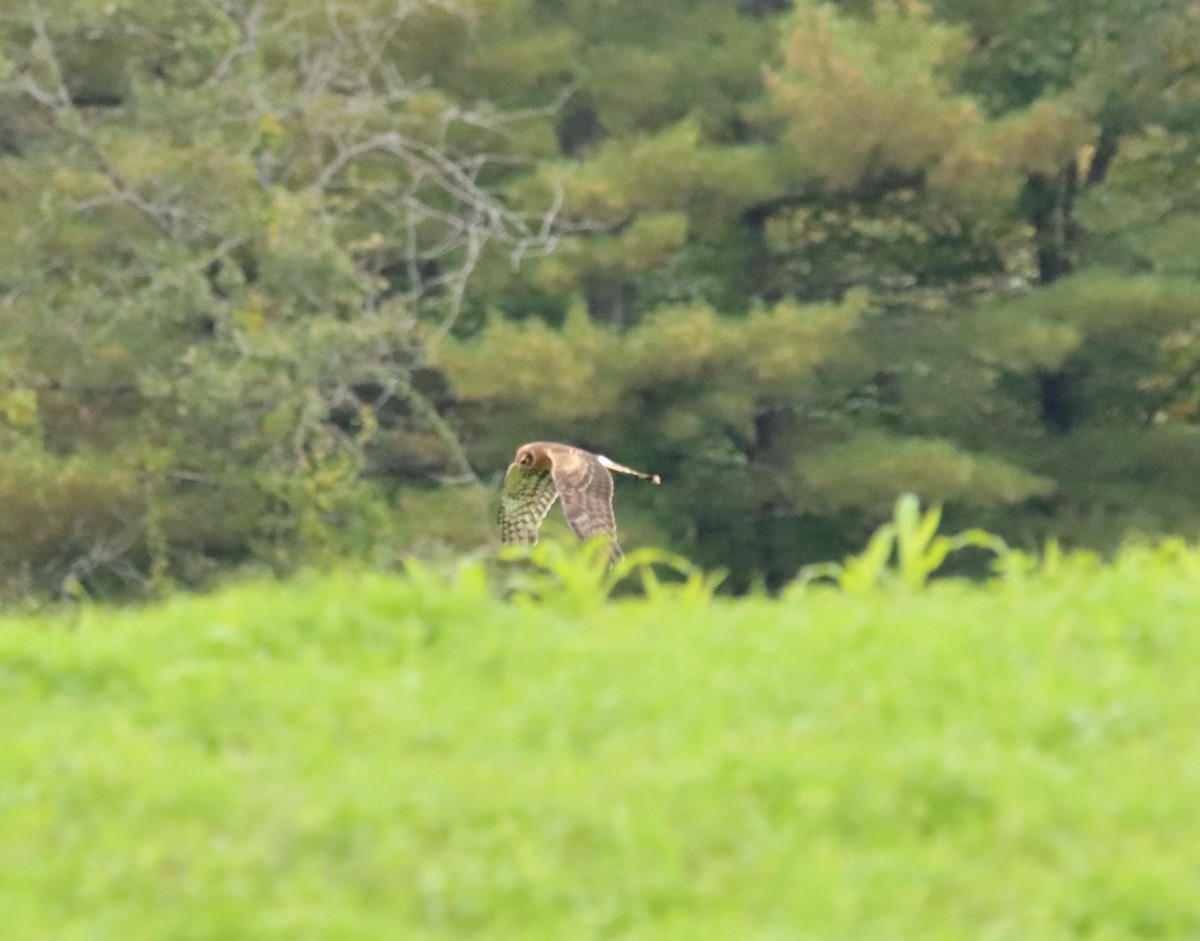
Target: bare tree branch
<point>248,23</point>
<point>169,219</point>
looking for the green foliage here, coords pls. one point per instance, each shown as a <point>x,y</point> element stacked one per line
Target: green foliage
<point>912,540</point>
<point>70,519</point>
<point>1146,216</point>
<point>285,282</point>
<point>1120,340</point>
<point>870,469</point>
<point>412,756</point>
<point>673,169</point>
<point>204,269</point>
<point>643,67</point>
<point>859,94</point>
<point>576,580</point>
<point>585,365</point>
<point>868,96</point>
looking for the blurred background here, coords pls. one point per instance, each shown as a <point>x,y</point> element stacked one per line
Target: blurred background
<point>285,282</point>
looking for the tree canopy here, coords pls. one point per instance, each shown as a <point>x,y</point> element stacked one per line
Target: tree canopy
<point>286,282</point>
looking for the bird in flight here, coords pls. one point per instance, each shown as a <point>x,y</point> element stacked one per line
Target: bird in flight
<point>543,471</point>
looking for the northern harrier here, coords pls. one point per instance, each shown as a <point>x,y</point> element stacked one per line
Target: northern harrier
<point>544,470</point>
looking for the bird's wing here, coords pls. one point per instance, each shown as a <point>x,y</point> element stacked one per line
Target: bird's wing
<point>586,489</point>
<point>524,502</point>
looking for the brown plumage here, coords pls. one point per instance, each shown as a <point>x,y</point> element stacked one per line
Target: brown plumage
<point>542,471</point>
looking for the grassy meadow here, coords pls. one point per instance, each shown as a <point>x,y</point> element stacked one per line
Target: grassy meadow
<point>366,756</point>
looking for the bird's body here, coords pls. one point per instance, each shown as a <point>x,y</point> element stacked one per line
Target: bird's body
<point>543,471</point>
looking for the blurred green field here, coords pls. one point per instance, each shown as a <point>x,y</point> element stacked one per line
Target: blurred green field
<point>387,757</point>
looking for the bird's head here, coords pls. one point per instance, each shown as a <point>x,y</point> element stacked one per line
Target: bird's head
<point>532,456</point>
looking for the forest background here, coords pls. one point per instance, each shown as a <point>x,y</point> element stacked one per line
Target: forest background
<point>287,282</point>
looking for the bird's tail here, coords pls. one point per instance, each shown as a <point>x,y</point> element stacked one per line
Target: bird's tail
<point>622,469</point>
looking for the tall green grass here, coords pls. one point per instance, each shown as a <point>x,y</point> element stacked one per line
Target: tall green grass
<point>428,756</point>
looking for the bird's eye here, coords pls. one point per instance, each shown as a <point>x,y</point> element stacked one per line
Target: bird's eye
<point>527,459</point>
